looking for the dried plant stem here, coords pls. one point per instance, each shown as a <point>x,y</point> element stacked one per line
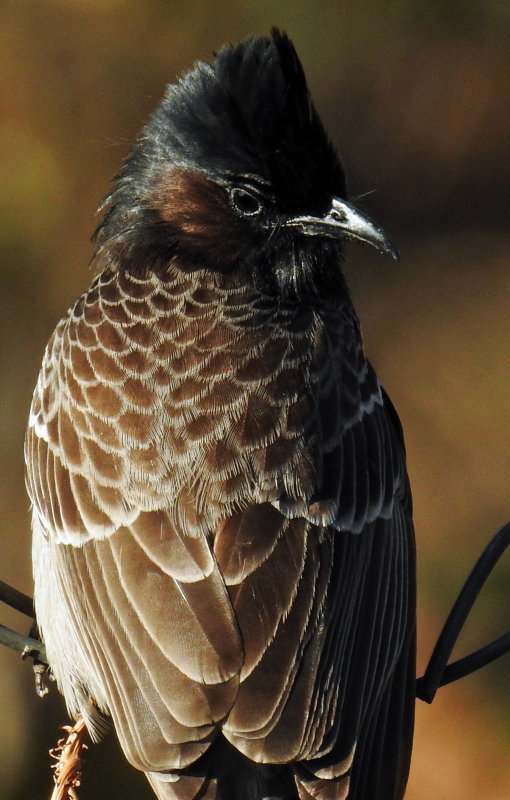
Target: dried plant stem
<point>67,770</point>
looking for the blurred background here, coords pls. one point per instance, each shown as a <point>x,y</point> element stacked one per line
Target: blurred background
<point>415,93</point>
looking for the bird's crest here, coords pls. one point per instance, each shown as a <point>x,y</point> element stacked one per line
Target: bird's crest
<point>249,113</point>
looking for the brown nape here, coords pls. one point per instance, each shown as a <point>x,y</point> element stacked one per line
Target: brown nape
<point>198,213</point>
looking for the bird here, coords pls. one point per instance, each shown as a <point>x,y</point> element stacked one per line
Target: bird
<point>223,546</point>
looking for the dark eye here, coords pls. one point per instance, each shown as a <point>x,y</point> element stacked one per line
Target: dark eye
<point>245,202</point>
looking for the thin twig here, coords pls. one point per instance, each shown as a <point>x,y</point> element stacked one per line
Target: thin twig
<point>26,645</point>
<point>29,646</point>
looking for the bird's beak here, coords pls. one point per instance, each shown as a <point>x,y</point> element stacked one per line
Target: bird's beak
<point>343,221</point>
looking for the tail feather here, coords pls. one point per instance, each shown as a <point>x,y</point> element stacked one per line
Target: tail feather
<point>171,786</point>
<point>223,773</point>
<point>312,788</point>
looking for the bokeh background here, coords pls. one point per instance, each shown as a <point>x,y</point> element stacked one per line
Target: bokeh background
<point>416,96</point>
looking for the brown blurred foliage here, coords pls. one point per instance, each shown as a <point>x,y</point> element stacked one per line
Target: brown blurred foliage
<point>416,95</point>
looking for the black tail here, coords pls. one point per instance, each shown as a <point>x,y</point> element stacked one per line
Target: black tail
<point>223,773</point>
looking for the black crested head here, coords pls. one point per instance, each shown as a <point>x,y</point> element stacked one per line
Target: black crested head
<point>234,170</point>
<point>251,113</point>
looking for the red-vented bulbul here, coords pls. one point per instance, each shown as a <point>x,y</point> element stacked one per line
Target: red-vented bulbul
<point>223,545</point>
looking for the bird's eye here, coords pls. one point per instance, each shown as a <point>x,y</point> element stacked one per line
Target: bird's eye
<point>245,202</point>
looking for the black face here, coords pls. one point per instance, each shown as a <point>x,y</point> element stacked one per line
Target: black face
<point>234,171</point>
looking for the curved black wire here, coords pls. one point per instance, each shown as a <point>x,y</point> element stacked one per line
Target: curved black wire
<point>16,599</point>
<point>438,672</point>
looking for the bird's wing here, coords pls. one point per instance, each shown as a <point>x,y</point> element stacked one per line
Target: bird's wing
<point>133,610</point>
<point>328,617</point>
